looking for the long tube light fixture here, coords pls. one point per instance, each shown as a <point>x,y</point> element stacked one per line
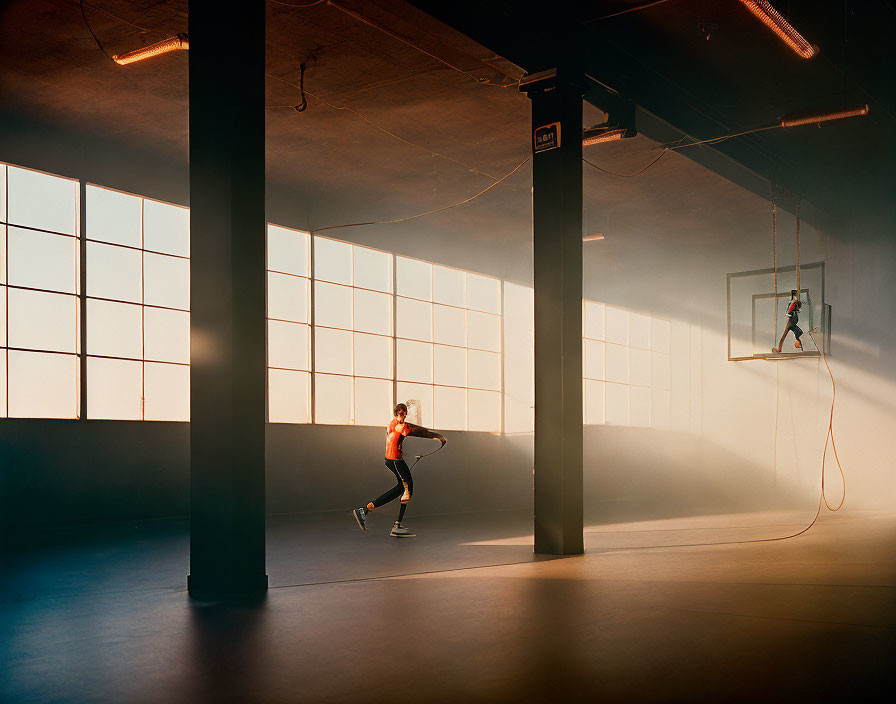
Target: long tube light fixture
<point>775,21</point>
<point>814,118</point>
<point>598,137</point>
<point>175,43</point>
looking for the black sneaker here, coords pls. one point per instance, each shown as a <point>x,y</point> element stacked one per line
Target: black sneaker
<point>360,515</point>
<point>399,531</point>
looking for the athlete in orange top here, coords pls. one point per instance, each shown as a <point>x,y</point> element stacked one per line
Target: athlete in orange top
<point>397,430</point>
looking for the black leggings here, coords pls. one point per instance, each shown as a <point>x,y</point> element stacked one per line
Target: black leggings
<point>793,327</point>
<point>403,478</point>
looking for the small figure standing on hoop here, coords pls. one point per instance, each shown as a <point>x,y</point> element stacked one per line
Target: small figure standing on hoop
<point>793,317</point>
<point>397,430</point>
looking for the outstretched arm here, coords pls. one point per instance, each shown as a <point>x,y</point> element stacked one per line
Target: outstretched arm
<point>418,431</point>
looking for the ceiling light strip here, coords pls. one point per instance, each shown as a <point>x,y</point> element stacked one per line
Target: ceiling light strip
<point>175,43</point>
<point>775,21</point>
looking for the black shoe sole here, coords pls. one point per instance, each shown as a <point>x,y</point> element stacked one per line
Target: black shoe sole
<point>358,521</point>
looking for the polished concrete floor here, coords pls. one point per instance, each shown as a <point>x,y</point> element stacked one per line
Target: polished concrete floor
<point>660,610</point>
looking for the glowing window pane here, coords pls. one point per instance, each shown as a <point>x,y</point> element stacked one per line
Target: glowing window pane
<point>484,411</point>
<point>661,373</point>
<point>332,351</point>
<point>448,286</point>
<point>332,261</point>
<point>449,365</point>
<point>373,356</point>
<point>617,363</point>
<point>373,401</point>
<point>166,392</point>
<point>372,269</point>
<point>42,201</point>
<point>414,361</point>
<point>289,345</point>
<point>3,413</point>
<point>449,325</point>
<point>332,305</point>
<point>114,389</point>
<point>3,194</point>
<point>483,293</point>
<point>2,251</point>
<point>617,404</point>
<point>166,228</point>
<point>660,409</point>
<point>594,320</point>
<point>484,370</point>
<point>166,335</point>
<point>113,272</point>
<point>450,408</point>
<point>639,371</point>
<point>640,407</point>
<point>42,321</point>
<point>288,250</point>
<point>42,260</point>
<point>332,399</point>
<point>42,385</point>
<point>660,334</point>
<point>594,402</point>
<point>166,281</point>
<point>113,216</point>
<point>289,396</point>
<point>373,312</point>
<point>422,394</point>
<point>413,278</point>
<point>594,354</point>
<point>2,316</point>
<point>639,331</point>
<point>483,331</point>
<point>519,359</point>
<point>114,329</point>
<point>413,319</point>
<point>616,325</point>
<point>288,298</point>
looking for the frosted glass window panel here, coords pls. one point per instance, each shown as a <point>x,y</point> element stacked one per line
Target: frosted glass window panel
<point>42,385</point>
<point>422,393</point>
<point>332,305</point>
<point>661,371</point>
<point>484,370</point>
<point>594,355</point>
<point>288,250</point>
<point>288,298</point>
<point>639,330</point>
<point>660,409</point>
<point>616,364</point>
<point>413,278</point>
<point>113,217</point>
<point>332,351</point>
<point>166,390</point>
<point>639,371</point>
<point>114,272</point>
<point>449,325</point>
<point>617,404</point>
<point>289,396</point>
<point>2,316</point>
<point>42,201</point>
<point>414,361</point>
<point>3,194</point>
<point>42,260</point>
<point>373,356</point>
<point>166,281</point>
<point>616,325</point>
<point>289,345</point>
<point>166,335</point>
<point>593,393</point>
<point>3,412</point>
<point>332,261</point>
<point>42,321</point>
<point>114,329</point>
<point>332,399</point>
<point>373,401</point>
<point>450,408</point>
<point>413,319</point>
<point>2,251</point>
<point>519,359</point>
<point>660,335</point>
<point>593,324</point>
<point>373,312</point>
<point>114,389</point>
<point>483,293</point>
<point>483,331</point>
<point>640,407</point>
<point>484,411</point>
<point>448,286</point>
<point>449,365</point>
<point>372,269</point>
<point>166,228</point>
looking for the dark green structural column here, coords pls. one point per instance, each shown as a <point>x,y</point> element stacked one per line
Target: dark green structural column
<point>227,281</point>
<point>557,235</point>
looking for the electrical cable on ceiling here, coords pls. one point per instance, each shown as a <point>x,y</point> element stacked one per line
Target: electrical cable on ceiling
<point>297,5</point>
<point>428,212</point>
<point>95,38</point>
<point>625,12</point>
<point>299,107</point>
<point>637,173</point>
<point>116,17</point>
